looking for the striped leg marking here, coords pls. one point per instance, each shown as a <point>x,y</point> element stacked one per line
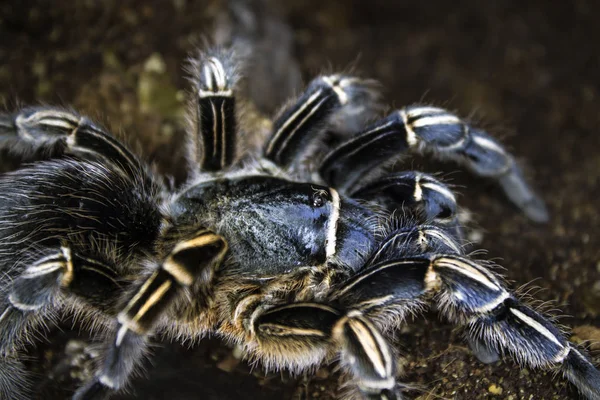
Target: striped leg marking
<point>367,355</point>
<point>87,278</point>
<point>41,281</point>
<point>473,296</point>
<point>187,261</point>
<point>439,133</point>
<point>190,261</point>
<point>301,336</point>
<point>470,295</point>
<point>44,125</point>
<point>215,113</point>
<point>420,194</point>
<point>307,118</point>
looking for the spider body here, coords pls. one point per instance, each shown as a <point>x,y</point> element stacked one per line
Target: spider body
<point>297,224</point>
<point>297,262</point>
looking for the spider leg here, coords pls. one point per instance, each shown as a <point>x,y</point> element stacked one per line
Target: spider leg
<point>421,239</point>
<point>70,229</point>
<point>434,131</point>
<point>420,195</point>
<point>471,296</point>
<point>189,260</point>
<point>213,134</point>
<point>305,333</point>
<point>37,292</point>
<point>44,133</point>
<point>307,117</point>
<point>85,277</point>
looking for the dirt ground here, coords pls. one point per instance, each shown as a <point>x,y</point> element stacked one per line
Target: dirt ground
<point>526,71</point>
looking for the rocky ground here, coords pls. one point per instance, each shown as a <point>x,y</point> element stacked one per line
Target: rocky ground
<point>528,72</point>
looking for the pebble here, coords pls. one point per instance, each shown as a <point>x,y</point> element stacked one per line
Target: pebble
<point>495,389</point>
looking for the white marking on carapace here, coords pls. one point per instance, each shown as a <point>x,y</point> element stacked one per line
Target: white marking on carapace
<point>411,136</point>
<point>467,270</point>
<point>542,330</point>
<point>332,224</point>
<point>292,118</point>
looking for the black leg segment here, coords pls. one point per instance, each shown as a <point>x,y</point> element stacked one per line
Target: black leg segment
<point>470,295</point>
<point>434,131</point>
<point>190,261</point>
<point>214,131</point>
<point>41,133</point>
<point>307,118</point>
<point>306,333</point>
<point>419,195</point>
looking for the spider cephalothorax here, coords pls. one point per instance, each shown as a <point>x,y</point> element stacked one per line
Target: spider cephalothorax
<point>294,263</point>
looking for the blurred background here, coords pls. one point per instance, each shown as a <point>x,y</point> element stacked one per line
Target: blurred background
<point>526,71</point>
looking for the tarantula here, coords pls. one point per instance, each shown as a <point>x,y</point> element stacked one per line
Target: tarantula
<point>296,254</point>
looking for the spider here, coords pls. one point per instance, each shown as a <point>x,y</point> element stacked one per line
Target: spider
<point>298,253</point>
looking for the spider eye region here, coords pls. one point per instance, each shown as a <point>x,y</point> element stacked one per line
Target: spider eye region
<point>318,201</point>
<point>320,197</point>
